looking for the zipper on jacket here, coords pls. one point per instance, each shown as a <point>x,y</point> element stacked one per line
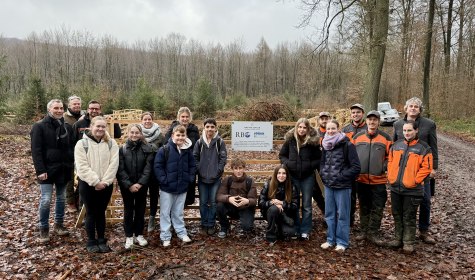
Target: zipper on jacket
<point>402,164</point>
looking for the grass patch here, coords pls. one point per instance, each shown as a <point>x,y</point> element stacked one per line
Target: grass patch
<point>465,127</point>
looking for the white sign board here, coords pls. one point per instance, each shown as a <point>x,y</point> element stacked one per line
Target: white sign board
<point>252,136</point>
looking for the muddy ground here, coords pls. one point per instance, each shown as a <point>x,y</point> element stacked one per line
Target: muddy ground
<point>237,257</point>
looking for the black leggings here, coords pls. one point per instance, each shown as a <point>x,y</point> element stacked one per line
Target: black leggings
<point>96,205</point>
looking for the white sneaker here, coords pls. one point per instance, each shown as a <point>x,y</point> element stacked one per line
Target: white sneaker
<point>129,242</point>
<point>166,243</point>
<point>326,246</point>
<point>186,239</point>
<point>340,249</point>
<point>142,241</point>
<point>305,236</point>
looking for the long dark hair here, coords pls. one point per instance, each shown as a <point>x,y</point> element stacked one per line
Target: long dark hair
<point>274,183</point>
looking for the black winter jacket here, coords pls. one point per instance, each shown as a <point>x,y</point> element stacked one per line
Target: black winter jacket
<point>192,132</point>
<point>135,164</point>
<point>52,150</point>
<point>335,170</point>
<point>289,208</point>
<point>304,163</point>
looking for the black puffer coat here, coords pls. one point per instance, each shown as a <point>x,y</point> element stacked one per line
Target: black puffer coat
<point>135,164</point>
<point>303,163</point>
<point>53,154</point>
<point>339,169</point>
<point>264,200</point>
<point>192,133</point>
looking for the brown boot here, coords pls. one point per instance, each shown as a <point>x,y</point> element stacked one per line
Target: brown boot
<point>60,230</point>
<point>361,237</point>
<point>376,240</point>
<point>426,237</point>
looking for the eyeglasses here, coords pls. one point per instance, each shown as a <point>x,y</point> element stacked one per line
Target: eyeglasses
<point>94,109</point>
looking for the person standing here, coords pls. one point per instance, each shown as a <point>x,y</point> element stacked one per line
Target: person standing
<point>153,136</point>
<point>133,176</point>
<point>210,157</point>
<point>373,147</point>
<point>96,157</point>
<point>409,166</point>
<point>71,116</point>
<point>339,168</point>
<point>175,169</point>
<point>184,118</point>
<point>278,204</point>
<point>301,154</point>
<point>52,152</point>
<point>323,118</point>
<point>427,133</point>
<point>356,126</point>
<point>73,112</point>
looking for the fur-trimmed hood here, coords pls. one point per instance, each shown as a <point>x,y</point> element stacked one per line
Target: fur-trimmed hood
<point>311,139</point>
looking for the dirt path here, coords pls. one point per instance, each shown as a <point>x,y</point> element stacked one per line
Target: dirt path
<point>21,257</point>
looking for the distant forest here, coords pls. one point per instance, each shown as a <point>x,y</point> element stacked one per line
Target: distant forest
<point>164,73</point>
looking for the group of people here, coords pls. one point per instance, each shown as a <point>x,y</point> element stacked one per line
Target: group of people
<point>357,160</point>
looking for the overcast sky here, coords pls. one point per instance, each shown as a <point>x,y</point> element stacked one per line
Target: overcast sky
<point>208,21</point>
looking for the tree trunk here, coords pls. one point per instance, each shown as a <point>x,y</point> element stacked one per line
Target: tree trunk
<point>376,53</point>
<point>427,56</point>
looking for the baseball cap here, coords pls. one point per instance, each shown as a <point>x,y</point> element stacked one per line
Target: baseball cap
<point>357,105</point>
<point>373,113</point>
<point>324,114</point>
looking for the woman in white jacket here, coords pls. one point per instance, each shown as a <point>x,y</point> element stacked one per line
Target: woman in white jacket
<point>96,158</point>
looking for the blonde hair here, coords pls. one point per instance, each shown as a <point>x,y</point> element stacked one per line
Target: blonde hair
<point>184,110</point>
<point>139,127</point>
<point>300,142</point>
<point>179,128</point>
<point>100,118</point>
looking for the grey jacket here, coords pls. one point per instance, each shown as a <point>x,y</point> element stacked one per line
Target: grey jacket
<point>210,159</point>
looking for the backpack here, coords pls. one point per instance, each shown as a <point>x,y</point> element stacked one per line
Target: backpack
<point>218,145</point>
<point>248,182</point>
<point>85,145</point>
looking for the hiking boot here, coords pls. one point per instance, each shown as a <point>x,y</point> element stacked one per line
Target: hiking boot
<point>129,242</point>
<point>376,240</point>
<point>426,237</point>
<point>360,237</point>
<point>44,235</point>
<point>151,224</point>
<point>395,243</point>
<point>408,248</point>
<point>92,247</point>
<point>60,230</point>
<point>211,230</point>
<point>141,240</point>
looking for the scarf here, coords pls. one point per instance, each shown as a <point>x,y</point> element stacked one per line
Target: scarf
<point>151,134</point>
<point>329,142</point>
<point>61,131</point>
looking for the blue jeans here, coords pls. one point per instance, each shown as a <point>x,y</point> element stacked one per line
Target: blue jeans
<point>208,202</point>
<point>304,185</point>
<point>171,213</point>
<point>45,203</point>
<point>337,215</point>
<point>424,211</point>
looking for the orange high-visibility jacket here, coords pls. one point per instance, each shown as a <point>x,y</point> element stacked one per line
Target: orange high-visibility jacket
<point>373,151</point>
<point>409,164</point>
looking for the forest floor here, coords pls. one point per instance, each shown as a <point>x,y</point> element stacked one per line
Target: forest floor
<point>236,257</point>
